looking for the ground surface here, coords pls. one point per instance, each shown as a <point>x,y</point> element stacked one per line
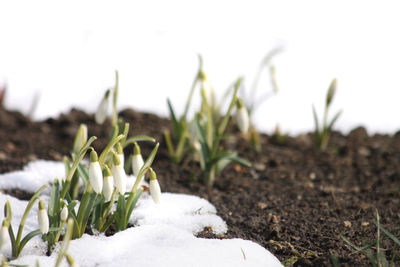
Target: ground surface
<point>295,201</point>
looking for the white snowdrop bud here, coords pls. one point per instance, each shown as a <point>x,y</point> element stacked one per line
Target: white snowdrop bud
<point>120,153</point>
<point>119,175</point>
<point>80,138</point>
<point>43,218</point>
<point>4,236</point>
<point>64,214</point>
<point>137,159</point>
<point>242,117</point>
<point>102,110</point>
<point>155,190</point>
<point>95,174</point>
<point>108,186</point>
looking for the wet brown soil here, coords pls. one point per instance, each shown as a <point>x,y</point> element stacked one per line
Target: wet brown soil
<point>295,200</point>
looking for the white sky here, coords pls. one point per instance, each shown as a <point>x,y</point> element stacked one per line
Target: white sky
<point>68,51</point>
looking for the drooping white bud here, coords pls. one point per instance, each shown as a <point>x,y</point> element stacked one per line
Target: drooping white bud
<point>4,236</point>
<point>102,111</point>
<point>95,174</point>
<point>108,186</point>
<point>242,117</point>
<point>155,190</point>
<point>119,175</point>
<point>137,159</point>
<point>43,219</point>
<point>64,214</point>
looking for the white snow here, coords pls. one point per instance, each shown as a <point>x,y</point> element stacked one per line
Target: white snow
<point>163,234</point>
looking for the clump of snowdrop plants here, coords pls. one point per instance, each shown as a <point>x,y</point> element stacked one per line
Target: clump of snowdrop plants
<point>202,136</point>
<point>103,182</point>
<point>322,133</point>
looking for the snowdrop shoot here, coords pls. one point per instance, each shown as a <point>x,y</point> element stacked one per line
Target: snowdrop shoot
<point>43,219</point>
<point>4,236</point>
<point>108,186</point>
<point>102,111</point>
<point>137,159</point>
<point>80,139</point>
<point>119,175</point>
<point>242,116</point>
<point>155,190</point>
<point>95,174</point>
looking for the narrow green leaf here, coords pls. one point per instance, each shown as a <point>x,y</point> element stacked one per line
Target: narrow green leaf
<point>389,234</point>
<point>138,138</point>
<point>54,198</point>
<point>108,148</point>
<point>131,203</point>
<point>335,118</point>
<point>32,234</point>
<point>316,123</point>
<point>26,212</point>
<point>83,173</point>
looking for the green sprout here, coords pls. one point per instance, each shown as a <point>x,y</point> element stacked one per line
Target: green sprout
<point>377,258</point>
<point>322,134</point>
<point>180,131</point>
<point>213,159</point>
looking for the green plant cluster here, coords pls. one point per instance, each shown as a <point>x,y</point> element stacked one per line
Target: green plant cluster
<point>95,213</point>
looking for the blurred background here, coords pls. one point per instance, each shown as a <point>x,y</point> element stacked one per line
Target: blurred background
<point>65,53</point>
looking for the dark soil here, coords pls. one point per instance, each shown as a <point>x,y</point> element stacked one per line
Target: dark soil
<point>295,201</point>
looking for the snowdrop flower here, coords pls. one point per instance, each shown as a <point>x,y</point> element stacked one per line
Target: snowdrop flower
<point>80,138</point>
<point>242,117</point>
<point>120,153</point>
<point>43,218</point>
<point>155,190</point>
<point>119,175</point>
<point>101,113</point>
<point>64,214</point>
<point>108,186</point>
<point>4,236</point>
<point>95,174</point>
<point>137,159</point>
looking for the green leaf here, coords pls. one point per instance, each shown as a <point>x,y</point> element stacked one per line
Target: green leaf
<point>131,203</point>
<point>172,114</point>
<point>316,123</point>
<point>54,198</point>
<point>389,234</point>
<point>138,138</point>
<point>32,234</point>
<point>107,149</point>
<point>83,173</point>
<point>330,126</point>
<point>26,212</point>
